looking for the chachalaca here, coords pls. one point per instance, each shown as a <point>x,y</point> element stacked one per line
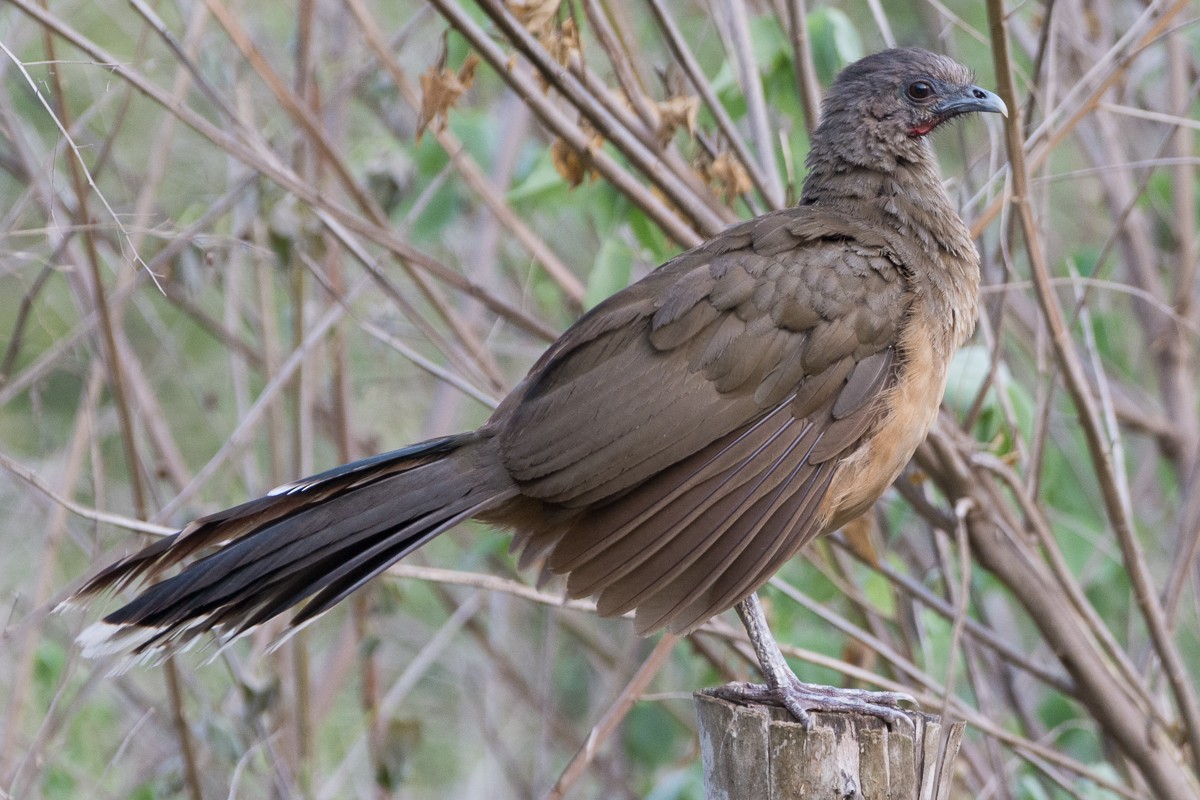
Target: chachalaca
<point>679,442</point>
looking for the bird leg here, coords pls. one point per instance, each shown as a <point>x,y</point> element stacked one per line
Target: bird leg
<point>784,689</point>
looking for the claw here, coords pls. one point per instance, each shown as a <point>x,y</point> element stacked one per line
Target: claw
<point>784,689</point>
<point>802,698</point>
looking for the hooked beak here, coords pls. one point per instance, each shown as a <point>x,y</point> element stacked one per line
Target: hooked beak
<point>972,99</point>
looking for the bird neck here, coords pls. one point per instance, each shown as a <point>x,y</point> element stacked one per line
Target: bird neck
<point>903,190</point>
<point>906,198</point>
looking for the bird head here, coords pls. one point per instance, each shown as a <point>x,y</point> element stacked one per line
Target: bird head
<point>880,108</point>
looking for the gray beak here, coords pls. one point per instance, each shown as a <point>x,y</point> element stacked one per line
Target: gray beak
<point>972,99</point>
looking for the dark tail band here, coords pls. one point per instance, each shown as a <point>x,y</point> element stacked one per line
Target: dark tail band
<point>317,539</point>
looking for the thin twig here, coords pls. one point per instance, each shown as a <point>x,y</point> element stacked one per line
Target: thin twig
<point>691,67</point>
<point>756,106</point>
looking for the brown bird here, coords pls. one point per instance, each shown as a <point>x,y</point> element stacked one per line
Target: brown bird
<point>677,444</point>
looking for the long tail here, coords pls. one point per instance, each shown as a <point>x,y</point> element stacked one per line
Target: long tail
<point>319,538</point>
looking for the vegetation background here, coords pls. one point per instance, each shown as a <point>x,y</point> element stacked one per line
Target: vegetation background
<point>242,242</point>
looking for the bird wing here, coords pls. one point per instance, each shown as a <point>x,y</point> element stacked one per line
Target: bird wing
<point>699,415</point>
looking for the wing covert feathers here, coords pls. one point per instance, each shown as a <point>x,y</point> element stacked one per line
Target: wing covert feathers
<point>699,447</point>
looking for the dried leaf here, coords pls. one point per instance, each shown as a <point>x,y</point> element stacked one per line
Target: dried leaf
<point>860,655</point>
<point>574,165</point>
<point>562,41</point>
<point>662,197</point>
<point>441,89</point>
<point>860,538</point>
<point>727,175</point>
<point>677,112</point>
<point>535,15</point>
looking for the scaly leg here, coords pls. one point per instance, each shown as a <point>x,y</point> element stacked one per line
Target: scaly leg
<point>784,689</point>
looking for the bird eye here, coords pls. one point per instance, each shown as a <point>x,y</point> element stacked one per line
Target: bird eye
<point>920,90</point>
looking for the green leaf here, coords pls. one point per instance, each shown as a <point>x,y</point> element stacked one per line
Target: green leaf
<point>645,731</point>
<point>679,784</point>
<point>770,43</point>
<point>967,374</point>
<point>880,591</point>
<point>968,371</point>
<point>540,184</point>
<point>772,54</point>
<point>651,237</point>
<point>835,41</point>
<point>58,782</point>
<point>49,659</point>
<point>611,271</point>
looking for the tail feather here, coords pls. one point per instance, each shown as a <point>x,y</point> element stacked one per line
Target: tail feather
<point>317,539</point>
<point>353,574</point>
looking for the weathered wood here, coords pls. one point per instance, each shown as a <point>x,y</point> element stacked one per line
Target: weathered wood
<point>760,752</point>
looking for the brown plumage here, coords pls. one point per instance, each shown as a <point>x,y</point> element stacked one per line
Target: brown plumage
<point>683,439</point>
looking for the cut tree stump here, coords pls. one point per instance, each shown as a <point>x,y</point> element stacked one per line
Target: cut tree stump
<point>761,753</point>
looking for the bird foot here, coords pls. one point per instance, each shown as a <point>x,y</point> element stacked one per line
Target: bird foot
<point>800,698</point>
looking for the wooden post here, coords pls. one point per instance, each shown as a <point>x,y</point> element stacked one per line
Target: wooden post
<point>762,753</point>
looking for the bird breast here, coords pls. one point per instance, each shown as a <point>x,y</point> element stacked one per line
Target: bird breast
<point>910,409</point>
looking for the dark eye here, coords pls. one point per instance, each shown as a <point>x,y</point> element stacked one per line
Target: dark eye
<point>920,90</point>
